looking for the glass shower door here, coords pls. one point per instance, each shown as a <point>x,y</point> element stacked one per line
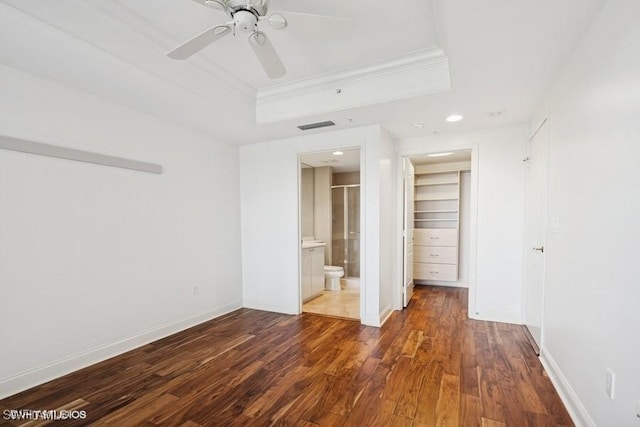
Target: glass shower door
<point>346,229</point>
<point>353,232</point>
<point>338,227</point>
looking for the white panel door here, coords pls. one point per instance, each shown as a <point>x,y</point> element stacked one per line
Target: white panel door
<point>536,230</point>
<point>408,231</point>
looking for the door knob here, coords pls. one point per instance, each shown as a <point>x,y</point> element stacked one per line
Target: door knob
<point>540,249</point>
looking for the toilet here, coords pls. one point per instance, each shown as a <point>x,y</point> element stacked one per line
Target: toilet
<point>332,275</point>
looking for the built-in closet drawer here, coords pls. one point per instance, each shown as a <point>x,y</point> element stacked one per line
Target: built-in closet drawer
<point>436,254</point>
<point>425,271</point>
<point>435,237</point>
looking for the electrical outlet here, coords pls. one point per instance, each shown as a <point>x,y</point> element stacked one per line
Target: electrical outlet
<point>196,289</point>
<point>611,384</point>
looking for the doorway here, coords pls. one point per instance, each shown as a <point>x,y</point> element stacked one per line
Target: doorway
<point>437,220</point>
<point>537,165</point>
<point>330,233</point>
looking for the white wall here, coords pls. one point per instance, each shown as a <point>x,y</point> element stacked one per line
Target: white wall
<point>387,217</point>
<point>497,220</point>
<point>97,260</point>
<point>591,317</point>
<point>270,224</point>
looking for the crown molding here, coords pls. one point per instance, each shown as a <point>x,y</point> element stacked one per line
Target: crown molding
<point>417,73</point>
<point>421,58</point>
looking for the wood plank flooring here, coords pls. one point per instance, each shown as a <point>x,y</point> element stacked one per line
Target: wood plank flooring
<point>428,366</point>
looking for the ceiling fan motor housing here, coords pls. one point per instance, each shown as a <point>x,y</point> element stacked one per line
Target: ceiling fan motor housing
<point>245,20</point>
<point>257,7</point>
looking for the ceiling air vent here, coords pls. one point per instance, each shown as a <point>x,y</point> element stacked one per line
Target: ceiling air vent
<point>316,125</point>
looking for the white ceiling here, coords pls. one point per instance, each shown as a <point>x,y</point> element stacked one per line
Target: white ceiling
<point>456,156</point>
<point>502,56</point>
<point>349,161</point>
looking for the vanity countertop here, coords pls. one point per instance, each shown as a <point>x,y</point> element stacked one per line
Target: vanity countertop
<point>312,244</point>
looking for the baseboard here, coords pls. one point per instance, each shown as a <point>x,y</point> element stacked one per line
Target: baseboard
<point>441,284</point>
<point>385,314</point>
<point>371,320</point>
<point>255,305</point>
<point>576,409</point>
<point>40,375</point>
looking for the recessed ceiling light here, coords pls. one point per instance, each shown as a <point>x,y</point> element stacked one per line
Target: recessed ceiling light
<point>439,154</point>
<point>454,118</point>
<point>417,125</point>
<point>338,153</point>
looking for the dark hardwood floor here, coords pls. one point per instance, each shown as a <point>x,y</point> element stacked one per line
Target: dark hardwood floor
<point>428,366</point>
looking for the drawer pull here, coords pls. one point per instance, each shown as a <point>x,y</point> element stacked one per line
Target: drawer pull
<point>434,255</point>
<point>434,238</point>
<point>433,272</point>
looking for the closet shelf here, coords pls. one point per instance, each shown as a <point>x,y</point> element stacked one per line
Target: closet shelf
<point>431,184</point>
<point>436,221</point>
<point>435,199</point>
<point>437,172</point>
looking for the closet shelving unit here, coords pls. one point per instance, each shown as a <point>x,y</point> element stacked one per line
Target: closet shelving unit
<point>436,224</point>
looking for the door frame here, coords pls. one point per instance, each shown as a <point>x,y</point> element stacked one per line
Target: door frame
<point>363,288</point>
<point>543,122</point>
<point>407,233</point>
<point>473,226</point>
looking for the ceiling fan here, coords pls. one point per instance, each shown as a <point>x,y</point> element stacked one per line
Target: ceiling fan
<point>245,17</point>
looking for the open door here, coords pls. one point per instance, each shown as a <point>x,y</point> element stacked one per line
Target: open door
<point>407,231</point>
<point>536,232</point>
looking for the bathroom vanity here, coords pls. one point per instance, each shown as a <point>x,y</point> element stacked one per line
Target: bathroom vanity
<point>312,270</point>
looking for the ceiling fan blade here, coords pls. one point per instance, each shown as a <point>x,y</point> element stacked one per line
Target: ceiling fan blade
<point>311,15</point>
<point>328,25</point>
<point>199,42</point>
<point>213,4</point>
<point>267,55</point>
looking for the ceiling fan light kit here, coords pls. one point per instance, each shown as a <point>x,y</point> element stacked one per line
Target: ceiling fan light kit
<point>245,17</point>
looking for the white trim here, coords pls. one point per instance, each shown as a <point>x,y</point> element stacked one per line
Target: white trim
<point>444,284</point>
<point>282,309</point>
<point>538,129</point>
<point>418,73</point>
<point>363,230</point>
<point>386,313</point>
<point>576,409</point>
<point>425,57</point>
<point>371,320</point>
<point>39,375</point>
<point>59,152</point>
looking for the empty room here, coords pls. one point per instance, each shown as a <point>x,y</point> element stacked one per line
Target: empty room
<point>319,213</point>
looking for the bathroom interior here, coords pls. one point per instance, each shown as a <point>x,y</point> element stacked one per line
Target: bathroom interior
<point>330,233</point>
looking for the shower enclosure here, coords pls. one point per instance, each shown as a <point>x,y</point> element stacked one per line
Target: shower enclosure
<point>345,245</point>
